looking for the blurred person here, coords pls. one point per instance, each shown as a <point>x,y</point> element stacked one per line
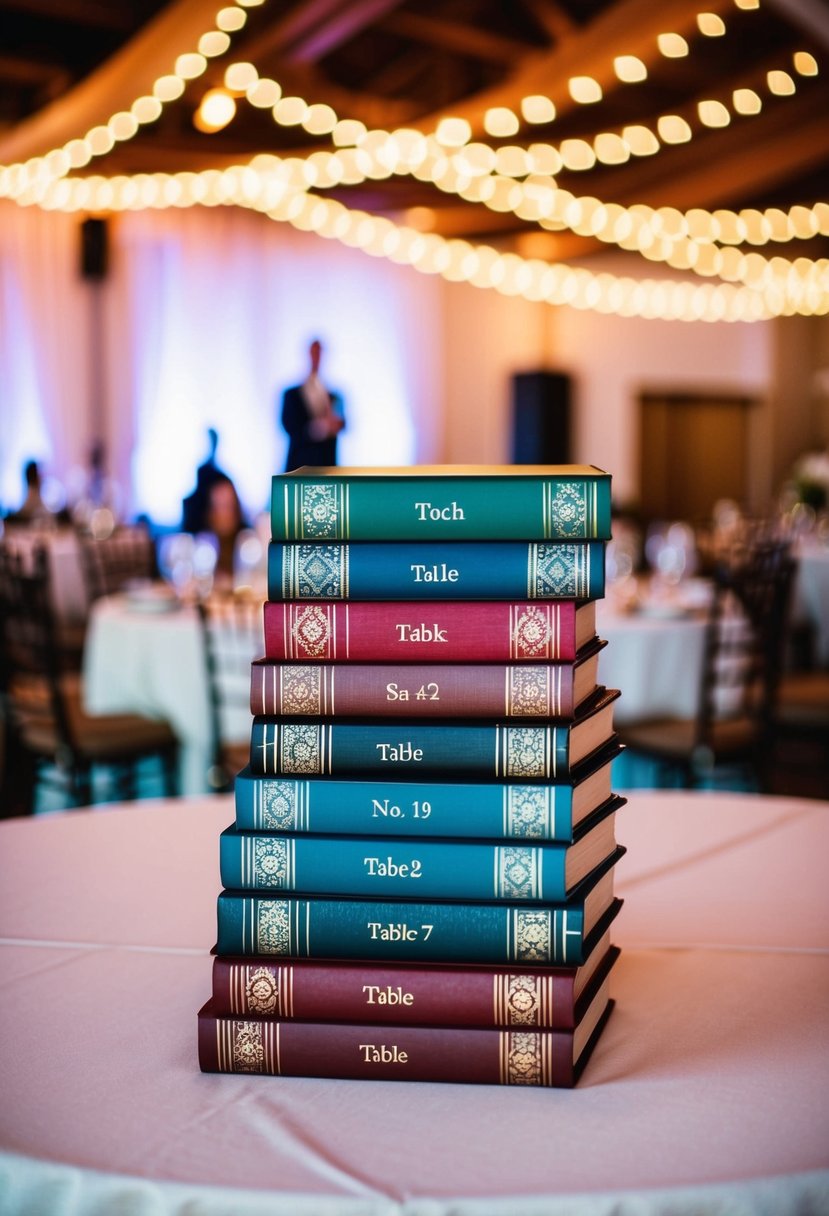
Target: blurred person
<point>33,509</point>
<point>225,519</point>
<point>195,505</point>
<point>312,416</point>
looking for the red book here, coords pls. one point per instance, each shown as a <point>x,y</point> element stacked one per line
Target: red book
<point>448,631</point>
<point>544,998</point>
<point>464,1054</point>
<point>445,690</point>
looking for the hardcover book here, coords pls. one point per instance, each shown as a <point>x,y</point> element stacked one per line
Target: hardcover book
<point>466,1054</point>
<point>442,502</point>
<point>436,570</point>
<point>419,868</point>
<point>319,927</point>
<point>441,631</point>
<point>425,994</point>
<point>495,750</point>
<point>497,810</point>
<point>352,690</point>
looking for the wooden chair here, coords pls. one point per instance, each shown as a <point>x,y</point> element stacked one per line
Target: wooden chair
<point>742,656</point>
<point>233,636</point>
<point>114,561</point>
<point>49,733</point>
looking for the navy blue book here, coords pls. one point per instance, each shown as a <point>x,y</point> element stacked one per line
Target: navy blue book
<point>416,869</point>
<point>436,570</point>
<point>299,926</point>
<point>501,751</point>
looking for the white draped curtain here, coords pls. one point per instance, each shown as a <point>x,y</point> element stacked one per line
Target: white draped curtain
<point>204,317</point>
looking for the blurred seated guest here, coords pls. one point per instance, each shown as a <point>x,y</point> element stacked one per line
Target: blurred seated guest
<point>225,519</point>
<point>195,505</point>
<point>312,415</point>
<point>33,509</point>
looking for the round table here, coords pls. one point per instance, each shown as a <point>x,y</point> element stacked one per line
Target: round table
<point>706,1093</point>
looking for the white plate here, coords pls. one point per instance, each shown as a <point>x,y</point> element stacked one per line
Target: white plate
<point>151,597</point>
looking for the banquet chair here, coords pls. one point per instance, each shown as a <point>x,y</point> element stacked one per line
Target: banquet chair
<point>738,681</point>
<point>111,562</point>
<point>52,737</point>
<point>233,637</point>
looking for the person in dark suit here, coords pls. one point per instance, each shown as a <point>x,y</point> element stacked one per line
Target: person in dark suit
<point>195,506</point>
<point>312,416</point>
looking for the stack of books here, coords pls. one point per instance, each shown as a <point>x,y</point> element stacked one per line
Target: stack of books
<point>419,879</point>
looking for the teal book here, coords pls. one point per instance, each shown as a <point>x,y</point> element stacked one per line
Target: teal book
<point>436,570</point>
<point>354,806</point>
<point>442,502</point>
<point>420,868</point>
<point>498,751</point>
<point>298,926</point>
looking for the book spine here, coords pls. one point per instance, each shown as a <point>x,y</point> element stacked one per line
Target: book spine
<point>405,808</point>
<point>389,868</point>
<point>438,632</point>
<point>436,571</point>
<point>382,993</point>
<point>539,690</point>
<point>440,508</point>
<point>400,1053</point>
<point>374,930</point>
<point>494,750</point>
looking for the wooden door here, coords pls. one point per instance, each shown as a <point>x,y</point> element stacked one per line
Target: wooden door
<point>693,451</point>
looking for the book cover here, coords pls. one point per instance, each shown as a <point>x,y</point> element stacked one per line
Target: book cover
<point>436,570</point>
<point>539,811</point>
<point>501,751</point>
<point>448,502</point>
<point>422,868</point>
<point>407,930</point>
<point>424,994</point>
<point>440,631</point>
<point>471,690</point>
<point>471,1055</point>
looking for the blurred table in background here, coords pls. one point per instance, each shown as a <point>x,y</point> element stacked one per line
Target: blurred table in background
<point>706,1094</point>
<point>145,654</point>
<point>70,596</point>
<point>810,600</point>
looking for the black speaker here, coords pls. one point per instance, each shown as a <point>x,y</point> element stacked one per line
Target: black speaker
<point>540,418</point>
<point>94,248</point>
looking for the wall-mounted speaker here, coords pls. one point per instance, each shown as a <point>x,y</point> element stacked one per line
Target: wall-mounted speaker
<point>94,248</point>
<point>540,418</point>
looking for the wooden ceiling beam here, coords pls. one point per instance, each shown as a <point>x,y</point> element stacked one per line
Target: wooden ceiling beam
<point>98,14</point>
<point>552,17</point>
<point>456,37</point>
<point>341,26</point>
<point>627,27</point>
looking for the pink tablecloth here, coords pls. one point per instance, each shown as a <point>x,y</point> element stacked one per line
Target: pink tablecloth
<point>707,1093</point>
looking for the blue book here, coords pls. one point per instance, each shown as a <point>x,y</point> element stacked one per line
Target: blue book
<point>495,810</point>
<point>437,570</point>
<point>296,926</point>
<point>501,751</point>
<point>419,868</point>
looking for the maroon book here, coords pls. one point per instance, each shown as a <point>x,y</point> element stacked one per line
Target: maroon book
<point>544,998</point>
<point>401,1053</point>
<point>345,690</point>
<point>450,631</point>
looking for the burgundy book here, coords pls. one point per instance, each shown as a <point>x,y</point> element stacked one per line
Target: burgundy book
<point>464,1054</point>
<point>544,998</point>
<point>345,690</point>
<point>449,631</point>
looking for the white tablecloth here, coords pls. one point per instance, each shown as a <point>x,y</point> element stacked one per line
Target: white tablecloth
<point>706,1095</point>
<point>811,595</point>
<point>153,662</point>
<point>654,660</point>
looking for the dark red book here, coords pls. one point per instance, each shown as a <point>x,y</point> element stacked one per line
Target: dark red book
<point>445,690</point>
<point>449,631</point>
<point>401,1053</point>
<point>543,998</point>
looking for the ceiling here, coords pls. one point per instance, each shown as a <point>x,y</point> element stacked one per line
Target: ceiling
<point>397,63</point>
